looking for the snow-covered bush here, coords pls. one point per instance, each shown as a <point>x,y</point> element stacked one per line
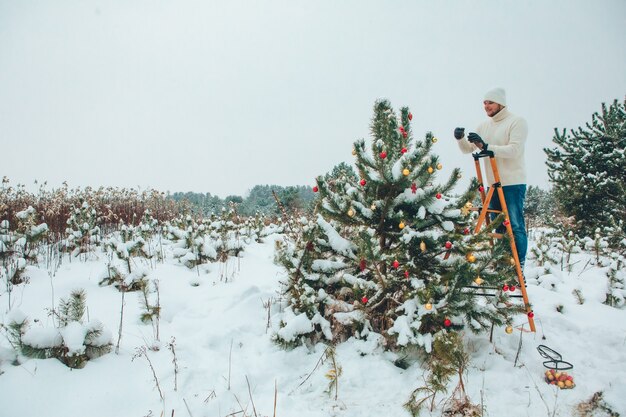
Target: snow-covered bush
<point>82,231</point>
<point>73,342</point>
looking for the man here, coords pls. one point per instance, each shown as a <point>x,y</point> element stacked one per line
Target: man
<point>505,135</point>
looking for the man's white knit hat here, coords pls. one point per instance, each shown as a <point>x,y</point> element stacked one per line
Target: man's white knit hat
<point>497,95</point>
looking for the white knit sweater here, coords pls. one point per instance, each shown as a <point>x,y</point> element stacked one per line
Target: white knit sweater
<point>505,134</point>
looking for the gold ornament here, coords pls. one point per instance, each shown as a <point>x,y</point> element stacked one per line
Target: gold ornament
<point>470,258</point>
<point>478,280</point>
<point>434,140</point>
<point>406,172</point>
<point>430,170</point>
<point>353,151</point>
<point>401,225</point>
<point>469,205</point>
<point>459,175</point>
<point>423,246</point>
<point>350,212</point>
<point>428,306</point>
<point>439,166</point>
<point>512,261</point>
<point>373,206</point>
<point>509,329</point>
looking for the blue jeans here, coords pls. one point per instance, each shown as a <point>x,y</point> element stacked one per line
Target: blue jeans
<point>514,196</point>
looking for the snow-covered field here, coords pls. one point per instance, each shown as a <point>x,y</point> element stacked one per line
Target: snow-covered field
<point>216,319</point>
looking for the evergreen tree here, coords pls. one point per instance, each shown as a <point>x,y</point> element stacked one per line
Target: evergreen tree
<point>390,251</point>
<point>539,207</point>
<point>588,170</point>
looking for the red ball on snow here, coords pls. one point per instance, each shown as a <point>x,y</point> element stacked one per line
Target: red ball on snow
<point>315,189</point>
<point>512,288</point>
<point>403,150</point>
<point>364,300</point>
<point>363,182</point>
<point>383,155</point>
<point>505,287</point>
<point>438,196</point>
<point>448,245</point>
<point>447,323</point>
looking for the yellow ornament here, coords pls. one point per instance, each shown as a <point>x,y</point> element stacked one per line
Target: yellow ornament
<point>459,175</point>
<point>434,140</point>
<point>373,206</point>
<point>353,151</point>
<point>423,246</point>
<point>406,172</point>
<point>509,329</point>
<point>439,166</point>
<point>350,212</point>
<point>469,205</point>
<point>478,280</point>
<point>401,225</point>
<point>470,258</point>
<point>428,306</point>
<point>430,170</point>
<point>512,261</point>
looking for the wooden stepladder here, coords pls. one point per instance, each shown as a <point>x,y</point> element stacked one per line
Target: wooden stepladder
<point>484,219</point>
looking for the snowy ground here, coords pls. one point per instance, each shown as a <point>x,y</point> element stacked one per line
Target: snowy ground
<point>228,365</point>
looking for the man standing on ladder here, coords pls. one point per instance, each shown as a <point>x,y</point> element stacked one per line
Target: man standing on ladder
<point>504,134</point>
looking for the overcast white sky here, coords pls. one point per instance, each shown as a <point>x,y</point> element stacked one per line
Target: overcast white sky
<point>219,96</point>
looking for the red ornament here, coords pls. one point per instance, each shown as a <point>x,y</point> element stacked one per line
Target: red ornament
<point>531,314</point>
<point>505,287</point>
<point>403,151</point>
<point>414,188</point>
<point>447,323</point>
<point>466,231</point>
<point>401,129</point>
<point>383,155</point>
<point>410,116</point>
<point>512,288</point>
<point>506,222</point>
<point>448,245</point>
<point>404,134</point>
<point>315,189</point>
<point>363,182</point>
<point>364,300</point>
<point>362,265</point>
<point>406,274</point>
<point>396,264</point>
<point>438,196</point>
<point>481,188</point>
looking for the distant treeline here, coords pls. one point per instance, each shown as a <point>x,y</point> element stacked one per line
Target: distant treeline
<point>259,200</point>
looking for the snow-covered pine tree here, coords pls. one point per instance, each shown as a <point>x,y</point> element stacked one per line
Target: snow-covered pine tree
<point>83,232</point>
<point>588,170</point>
<point>390,251</point>
<point>31,233</point>
<point>72,342</point>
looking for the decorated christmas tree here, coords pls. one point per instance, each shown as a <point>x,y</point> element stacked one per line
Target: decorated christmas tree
<point>391,253</point>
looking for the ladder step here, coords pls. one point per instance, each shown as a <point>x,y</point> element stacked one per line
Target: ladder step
<point>488,210</point>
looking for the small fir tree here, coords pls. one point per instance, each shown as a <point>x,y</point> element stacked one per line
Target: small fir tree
<point>588,170</point>
<point>390,251</point>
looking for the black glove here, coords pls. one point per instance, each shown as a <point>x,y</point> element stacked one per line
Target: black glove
<point>459,132</point>
<point>477,140</point>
